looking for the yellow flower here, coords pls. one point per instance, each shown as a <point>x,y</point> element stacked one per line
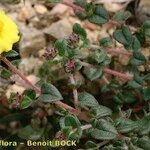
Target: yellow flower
<point>8,33</point>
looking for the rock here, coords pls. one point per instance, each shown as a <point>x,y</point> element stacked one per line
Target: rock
<point>29,65</point>
<point>14,89</point>
<point>31,41</point>
<point>146,52</point>
<point>26,12</point>
<point>20,85</point>
<point>59,29</point>
<point>40,9</point>
<point>59,9</point>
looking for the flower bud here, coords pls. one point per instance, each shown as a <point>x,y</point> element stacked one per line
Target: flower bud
<point>50,53</point>
<point>72,40</point>
<point>70,66</point>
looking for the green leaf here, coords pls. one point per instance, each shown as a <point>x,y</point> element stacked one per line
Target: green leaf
<point>122,16</point>
<point>93,73</point>
<point>72,121</point>
<point>144,143</point>
<point>146,27</point>
<point>100,16</point>
<point>138,59</point>
<point>100,56</point>
<point>103,130</point>
<point>141,126</point>
<point>61,46</point>
<point>87,100</point>
<point>11,53</point>
<point>133,147</point>
<point>146,93</point>
<point>28,133</point>
<point>81,15</point>
<point>75,134</point>
<point>16,62</point>
<point>136,62</point>
<point>136,45</point>
<point>134,84</point>
<point>26,102</point>
<point>71,127</point>
<point>144,125</point>
<point>147,77</point>
<point>90,145</point>
<point>100,111</point>
<point>125,125</point>
<point>49,93</point>
<point>128,97</point>
<point>105,42</point>
<point>139,56</point>
<point>30,93</point>
<point>5,73</point>
<point>79,30</point>
<point>80,3</point>
<point>123,36</point>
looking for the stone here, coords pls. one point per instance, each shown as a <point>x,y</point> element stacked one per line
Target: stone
<point>30,65</point>
<point>26,12</point>
<point>31,41</point>
<point>40,9</point>
<point>59,9</point>
<point>59,29</point>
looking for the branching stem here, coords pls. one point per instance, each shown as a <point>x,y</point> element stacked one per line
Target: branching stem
<point>75,92</point>
<point>59,104</point>
<point>110,71</point>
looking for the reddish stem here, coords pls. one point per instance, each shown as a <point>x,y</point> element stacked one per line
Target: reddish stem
<point>87,126</point>
<point>118,74</point>
<point>119,51</point>
<point>110,71</point>
<point>59,104</point>
<point>113,50</point>
<point>75,7</point>
<point>75,92</point>
<point>16,71</point>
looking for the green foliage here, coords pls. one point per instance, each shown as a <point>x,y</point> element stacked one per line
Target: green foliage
<point>61,46</point>
<point>11,53</point>
<point>29,133</point>
<point>105,42</point>
<point>112,110</point>
<point>49,93</point>
<point>79,30</point>
<point>100,16</point>
<point>122,16</point>
<point>103,130</point>
<point>26,102</point>
<point>96,14</point>
<point>5,73</point>
<point>71,127</point>
<point>146,93</point>
<point>91,145</point>
<point>137,59</point>
<point>87,100</point>
<point>141,126</point>
<point>100,111</point>
<point>146,28</point>
<point>93,73</point>
<point>124,36</point>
